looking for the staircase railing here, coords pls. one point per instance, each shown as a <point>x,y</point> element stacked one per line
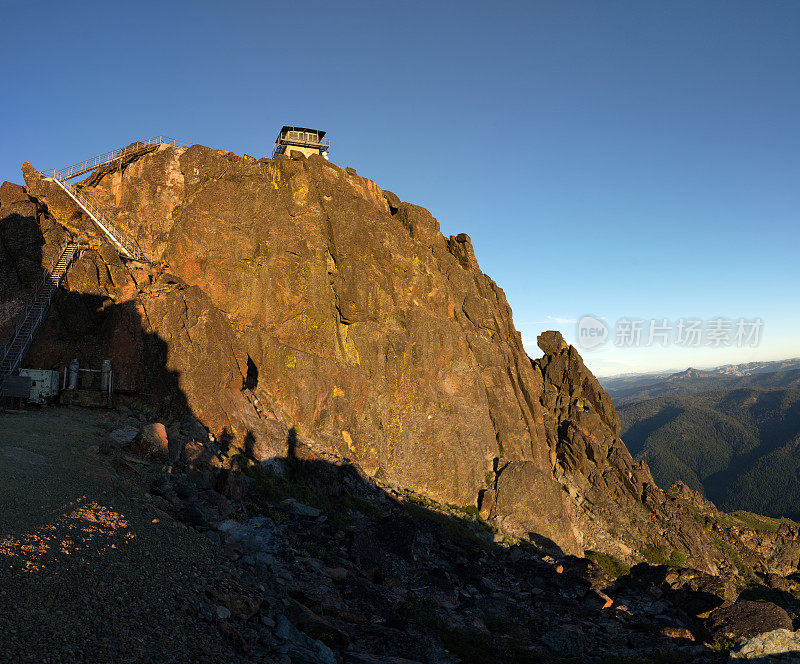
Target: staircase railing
<point>22,315</point>
<point>48,282</point>
<point>38,303</point>
<point>124,243</point>
<point>90,164</point>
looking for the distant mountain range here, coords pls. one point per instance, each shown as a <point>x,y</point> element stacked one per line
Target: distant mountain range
<point>732,432</point>
<point>631,388</point>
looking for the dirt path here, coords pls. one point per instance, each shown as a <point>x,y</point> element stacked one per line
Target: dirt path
<point>89,570</point>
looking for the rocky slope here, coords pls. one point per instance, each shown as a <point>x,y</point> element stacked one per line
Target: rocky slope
<point>296,309</point>
<point>137,550</point>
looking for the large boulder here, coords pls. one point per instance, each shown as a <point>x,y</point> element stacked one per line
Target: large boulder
<point>780,646</point>
<point>20,235</point>
<point>746,619</point>
<point>528,504</point>
<point>151,442</point>
<point>29,241</point>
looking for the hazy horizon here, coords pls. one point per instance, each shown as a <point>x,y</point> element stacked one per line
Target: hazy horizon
<point>674,370</point>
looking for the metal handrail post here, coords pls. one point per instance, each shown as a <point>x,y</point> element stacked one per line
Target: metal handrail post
<point>36,306</point>
<point>68,172</point>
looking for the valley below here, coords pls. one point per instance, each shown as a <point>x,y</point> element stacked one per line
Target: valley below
<point>735,438</point>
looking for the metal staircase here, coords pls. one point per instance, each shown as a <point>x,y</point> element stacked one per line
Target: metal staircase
<point>19,339</point>
<point>27,322</point>
<point>124,243</point>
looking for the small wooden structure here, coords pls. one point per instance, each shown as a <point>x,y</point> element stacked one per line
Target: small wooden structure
<point>302,139</point>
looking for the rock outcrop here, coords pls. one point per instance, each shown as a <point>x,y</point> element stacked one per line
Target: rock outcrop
<point>370,333</point>
<point>780,646</point>
<point>28,241</point>
<point>295,308</point>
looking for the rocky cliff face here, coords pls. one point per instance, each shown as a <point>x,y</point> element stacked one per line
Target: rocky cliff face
<point>28,241</point>
<point>371,333</point>
<point>292,299</point>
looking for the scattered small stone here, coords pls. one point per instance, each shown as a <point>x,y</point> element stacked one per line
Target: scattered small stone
<point>300,509</point>
<point>566,640</point>
<point>677,633</point>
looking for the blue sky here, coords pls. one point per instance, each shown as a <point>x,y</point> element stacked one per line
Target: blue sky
<point>632,159</point>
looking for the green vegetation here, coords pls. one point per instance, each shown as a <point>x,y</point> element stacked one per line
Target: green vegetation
<point>455,527</point>
<point>469,511</point>
<point>276,488</point>
<point>654,555</point>
<point>744,571</point>
<point>462,522</point>
<point>337,508</point>
<point>677,559</point>
<point>475,647</point>
<point>696,513</point>
<point>738,447</point>
<point>722,645</point>
<point>635,389</point>
<point>757,521</point>
<point>611,565</point>
<point>657,555</point>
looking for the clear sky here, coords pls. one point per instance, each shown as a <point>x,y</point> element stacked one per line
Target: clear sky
<point>628,160</point>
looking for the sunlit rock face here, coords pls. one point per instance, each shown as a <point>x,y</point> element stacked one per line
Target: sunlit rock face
<point>371,333</point>
<point>291,295</point>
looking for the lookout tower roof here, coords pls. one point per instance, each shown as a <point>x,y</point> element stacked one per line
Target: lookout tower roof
<point>306,130</point>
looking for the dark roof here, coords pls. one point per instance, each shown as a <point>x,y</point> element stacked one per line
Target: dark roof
<point>319,132</point>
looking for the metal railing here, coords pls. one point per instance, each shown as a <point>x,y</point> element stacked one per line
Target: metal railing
<point>124,243</point>
<point>90,164</point>
<point>323,142</point>
<point>284,144</point>
<point>20,319</point>
<point>38,303</point>
<point>39,299</point>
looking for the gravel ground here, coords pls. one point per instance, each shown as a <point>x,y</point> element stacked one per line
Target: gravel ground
<point>89,571</point>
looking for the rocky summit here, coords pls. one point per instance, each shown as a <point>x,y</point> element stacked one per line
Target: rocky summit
<point>291,316</point>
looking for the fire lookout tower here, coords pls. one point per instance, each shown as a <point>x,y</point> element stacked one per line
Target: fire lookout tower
<point>302,139</point>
